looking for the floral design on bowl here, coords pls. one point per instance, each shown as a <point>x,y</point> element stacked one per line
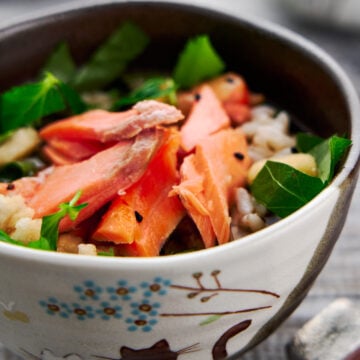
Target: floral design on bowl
<point>140,305</point>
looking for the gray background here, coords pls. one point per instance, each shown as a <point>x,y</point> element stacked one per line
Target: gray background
<point>341,276</point>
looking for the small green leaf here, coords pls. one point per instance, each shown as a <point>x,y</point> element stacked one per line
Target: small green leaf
<point>283,189</point>
<point>26,104</point>
<point>111,58</point>
<point>72,99</point>
<point>6,238</point>
<point>49,232</point>
<point>41,244</point>
<point>153,88</point>
<point>61,63</point>
<point>110,252</point>
<point>305,142</point>
<point>50,223</point>
<point>327,154</point>
<point>197,62</point>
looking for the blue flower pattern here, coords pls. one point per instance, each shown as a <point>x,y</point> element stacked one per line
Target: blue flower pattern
<point>94,301</point>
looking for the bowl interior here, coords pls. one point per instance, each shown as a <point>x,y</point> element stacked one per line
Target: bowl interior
<point>284,71</point>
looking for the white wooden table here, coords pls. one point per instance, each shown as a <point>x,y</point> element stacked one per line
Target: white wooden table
<point>341,276</point>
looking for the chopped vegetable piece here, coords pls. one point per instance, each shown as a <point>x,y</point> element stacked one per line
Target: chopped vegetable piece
<point>50,226</point>
<point>50,223</point>
<point>207,116</point>
<point>208,179</point>
<point>101,177</point>
<point>21,143</point>
<point>300,161</point>
<point>149,197</point>
<point>197,62</point>
<point>154,88</point>
<point>230,87</point>
<point>111,58</point>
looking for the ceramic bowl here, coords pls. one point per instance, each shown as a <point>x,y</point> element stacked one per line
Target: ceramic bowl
<point>210,304</point>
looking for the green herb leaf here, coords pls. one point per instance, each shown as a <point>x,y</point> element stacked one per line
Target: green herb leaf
<point>197,62</point>
<point>283,189</point>
<point>111,58</point>
<point>72,99</point>
<point>305,142</point>
<point>41,244</point>
<point>110,252</point>
<point>50,226</point>
<point>153,88</point>
<point>50,223</point>
<point>327,154</point>
<point>6,238</point>
<point>61,64</point>
<point>27,104</point>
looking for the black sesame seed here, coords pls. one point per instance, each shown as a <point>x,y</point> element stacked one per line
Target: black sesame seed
<point>138,217</point>
<point>197,97</point>
<point>229,79</point>
<point>10,186</point>
<point>239,155</point>
<point>294,150</point>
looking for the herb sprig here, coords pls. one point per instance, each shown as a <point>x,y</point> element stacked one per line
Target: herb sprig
<point>50,226</point>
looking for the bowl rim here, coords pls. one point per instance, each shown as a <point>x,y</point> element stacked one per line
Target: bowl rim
<point>349,169</point>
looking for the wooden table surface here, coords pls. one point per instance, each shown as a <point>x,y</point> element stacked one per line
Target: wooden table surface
<point>341,276</point>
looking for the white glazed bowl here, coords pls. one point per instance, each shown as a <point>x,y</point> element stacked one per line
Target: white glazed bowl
<point>210,304</point>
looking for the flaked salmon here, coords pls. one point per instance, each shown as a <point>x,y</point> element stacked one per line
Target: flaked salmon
<point>155,214</point>
<point>105,126</point>
<point>100,178</point>
<point>208,179</point>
